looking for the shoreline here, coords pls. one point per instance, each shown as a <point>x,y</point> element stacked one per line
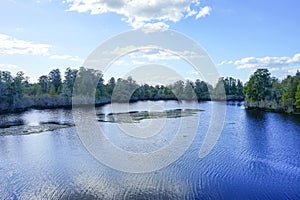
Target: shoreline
<point>248,106</point>
<point>272,106</point>
<point>102,103</point>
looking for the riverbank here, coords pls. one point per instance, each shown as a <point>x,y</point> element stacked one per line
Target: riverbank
<point>272,106</point>
<point>58,102</point>
<point>55,102</point>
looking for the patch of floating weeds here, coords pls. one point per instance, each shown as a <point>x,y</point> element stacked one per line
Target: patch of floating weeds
<point>137,116</point>
<point>23,129</point>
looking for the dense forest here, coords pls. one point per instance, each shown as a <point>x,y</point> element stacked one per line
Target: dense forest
<point>268,93</point>
<point>53,90</point>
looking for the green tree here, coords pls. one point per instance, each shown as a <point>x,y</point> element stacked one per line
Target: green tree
<point>110,86</point>
<point>55,82</point>
<point>86,81</point>
<point>189,93</point>
<point>17,89</point>
<point>259,86</point>
<point>178,89</point>
<point>239,88</point>
<point>276,90</point>
<point>43,83</point>
<point>297,97</point>
<point>221,88</point>
<point>288,90</point>
<point>6,87</point>
<point>201,90</point>
<point>68,84</point>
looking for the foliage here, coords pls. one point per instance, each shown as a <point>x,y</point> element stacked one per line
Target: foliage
<point>297,97</point>
<point>16,92</point>
<point>261,87</point>
<point>52,90</point>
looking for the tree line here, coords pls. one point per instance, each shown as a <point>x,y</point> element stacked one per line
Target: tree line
<point>55,89</point>
<point>261,91</point>
<point>265,92</point>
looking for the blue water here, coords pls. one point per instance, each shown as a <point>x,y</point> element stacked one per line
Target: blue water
<point>257,157</point>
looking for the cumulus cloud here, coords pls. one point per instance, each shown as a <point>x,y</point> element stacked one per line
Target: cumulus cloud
<point>203,12</point>
<point>277,65</point>
<point>10,45</point>
<point>293,70</point>
<point>154,27</point>
<point>267,62</point>
<point>13,46</point>
<point>139,14</point>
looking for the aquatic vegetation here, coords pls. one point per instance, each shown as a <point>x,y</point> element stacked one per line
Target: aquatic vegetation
<point>24,129</point>
<point>137,116</point>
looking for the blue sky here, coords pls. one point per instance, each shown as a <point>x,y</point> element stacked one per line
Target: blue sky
<point>240,36</point>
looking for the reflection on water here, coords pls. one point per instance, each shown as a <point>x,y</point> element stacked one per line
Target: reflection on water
<point>257,157</point>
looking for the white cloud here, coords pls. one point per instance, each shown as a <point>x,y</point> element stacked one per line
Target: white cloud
<point>66,57</point>
<point>156,55</point>
<point>8,66</point>
<point>139,13</point>
<point>275,69</point>
<point>225,62</point>
<point>153,53</point>
<point>130,48</point>
<point>132,62</point>
<point>14,46</point>
<point>10,45</point>
<point>268,62</point>
<point>264,62</point>
<point>295,58</point>
<point>203,12</point>
<point>293,70</point>
<point>161,55</point>
<point>191,13</point>
<point>280,66</point>
<point>154,27</point>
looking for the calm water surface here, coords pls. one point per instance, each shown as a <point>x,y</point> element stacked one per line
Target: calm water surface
<point>256,157</point>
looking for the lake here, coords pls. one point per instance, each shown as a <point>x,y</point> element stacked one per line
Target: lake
<point>256,157</point>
